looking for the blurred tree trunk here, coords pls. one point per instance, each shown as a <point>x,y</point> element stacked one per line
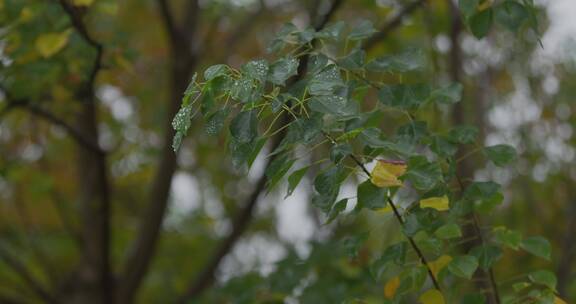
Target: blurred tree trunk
<point>465,169</point>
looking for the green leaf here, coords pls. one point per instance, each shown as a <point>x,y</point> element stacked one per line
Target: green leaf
<point>256,69</point>
<point>448,231</point>
<point>353,61</point>
<point>537,246</point>
<point>407,61</point>
<point>412,279</point>
<point>448,95</point>
<point>443,147</point>
<point>244,127</point>
<point>337,209</point>
<point>277,169</point>
<point>332,31</point>
<point>326,81</point>
<point>339,152</point>
<point>371,196</point>
<point>544,277</point>
<point>484,196</point>
<point>500,155</point>
<point>507,237</point>
<point>333,105</point>
<point>215,122</point>
<point>511,15</point>
<point>487,255</point>
<point>245,153</point>
<point>282,69</point>
<point>395,253</point>
<point>463,266</point>
<point>242,89</point>
<point>363,30</point>
<point>468,7</point>
<point>354,243</point>
<point>181,123</point>
<point>215,71</point>
<point>480,23</point>
<point>463,134</point>
<point>473,298</point>
<point>316,63</point>
<point>294,179</point>
<point>423,175</point>
<point>404,96</point>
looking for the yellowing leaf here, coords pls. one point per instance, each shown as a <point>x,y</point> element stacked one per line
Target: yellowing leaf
<point>386,173</point>
<point>26,14</point>
<point>391,286</point>
<point>432,296</point>
<point>557,300</point>
<point>438,203</point>
<point>82,2</point>
<point>384,210</point>
<point>51,43</point>
<point>437,265</point>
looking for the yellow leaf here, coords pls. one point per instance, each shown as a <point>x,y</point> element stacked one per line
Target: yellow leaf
<point>391,286</point>
<point>51,43</point>
<point>384,210</point>
<point>438,203</point>
<point>557,300</point>
<point>82,2</point>
<point>386,173</point>
<point>432,296</point>
<point>439,264</point>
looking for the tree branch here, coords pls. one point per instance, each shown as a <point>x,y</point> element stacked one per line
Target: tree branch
<point>95,270</point>
<point>21,270</point>
<point>182,62</point>
<point>243,218</point>
<point>392,24</point>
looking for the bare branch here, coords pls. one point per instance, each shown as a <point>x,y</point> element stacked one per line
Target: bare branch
<point>392,24</point>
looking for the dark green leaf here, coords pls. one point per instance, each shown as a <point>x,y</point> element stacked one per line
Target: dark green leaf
<point>511,15</point>
<point>412,279</point>
<point>484,196</point>
<point>244,127</point>
<point>448,95</point>
<point>500,155</point>
<point>544,277</point>
<point>468,7</point>
<point>256,69</point>
<point>181,123</point>
<point>395,253</point>
<point>337,209</point>
<point>423,175</point>
<point>332,31</point>
<point>410,60</point>
<point>537,246</point>
<point>463,134</point>
<point>404,96</point>
<point>294,179</point>
<point>353,61</point>
<point>277,169</point>
<point>326,81</point>
<point>480,23</point>
<point>448,231</point>
<point>363,30</point>
<point>463,266</point>
<point>282,69</point>
<point>334,105</point>
<point>443,147</point>
<point>487,255</point>
<point>215,71</point>
<point>473,298</point>
<point>215,122</point>
<point>370,196</point>
<point>339,152</point>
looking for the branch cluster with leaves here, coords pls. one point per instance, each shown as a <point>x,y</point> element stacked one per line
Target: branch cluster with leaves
<point>366,113</point>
